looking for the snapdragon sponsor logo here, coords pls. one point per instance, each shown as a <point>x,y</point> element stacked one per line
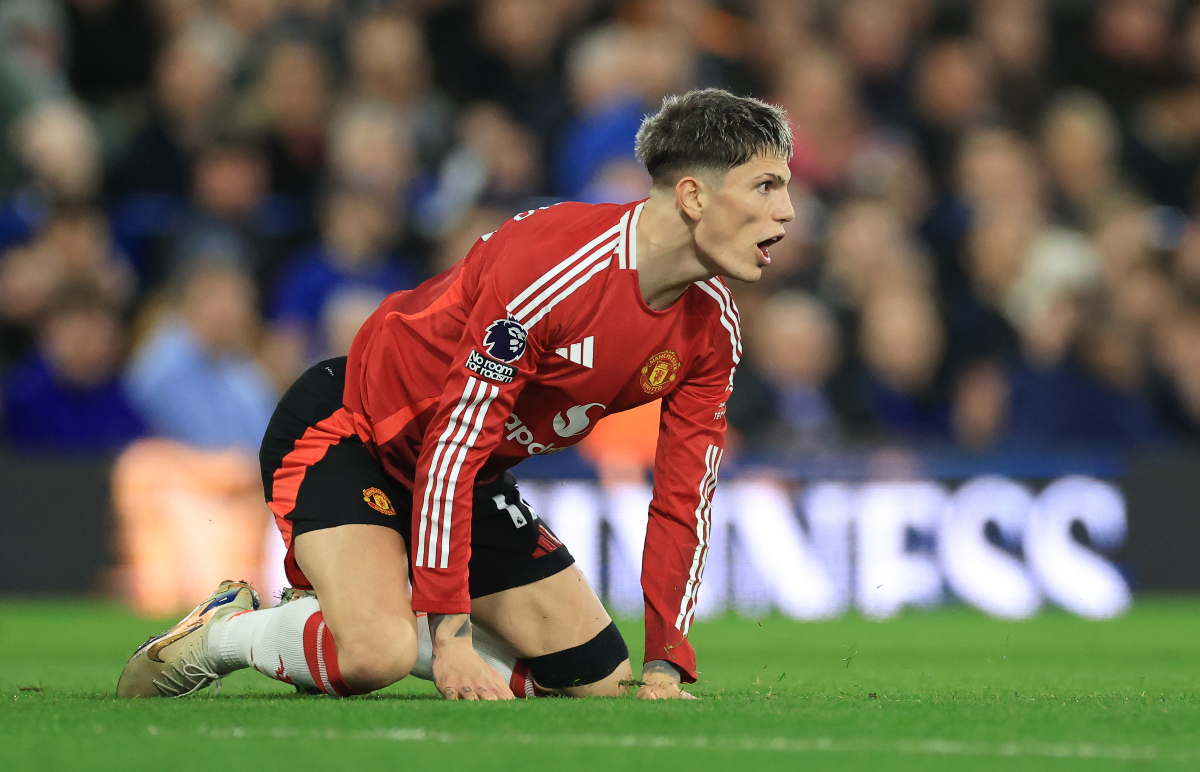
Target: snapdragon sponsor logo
<point>521,434</point>
<point>577,419</point>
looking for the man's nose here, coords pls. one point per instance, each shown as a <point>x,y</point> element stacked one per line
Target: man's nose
<point>787,212</point>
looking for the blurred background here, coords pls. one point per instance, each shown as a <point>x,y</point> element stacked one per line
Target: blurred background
<point>994,273</point>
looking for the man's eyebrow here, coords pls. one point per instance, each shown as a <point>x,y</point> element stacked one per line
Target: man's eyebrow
<point>776,177</point>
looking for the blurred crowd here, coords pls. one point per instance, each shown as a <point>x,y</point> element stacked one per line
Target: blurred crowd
<point>997,240</point>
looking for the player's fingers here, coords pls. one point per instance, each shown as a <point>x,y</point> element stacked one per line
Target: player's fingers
<point>469,694</point>
<point>487,695</point>
<point>687,695</point>
<point>501,690</point>
<point>450,693</point>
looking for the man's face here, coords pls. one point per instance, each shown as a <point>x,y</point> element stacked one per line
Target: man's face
<point>743,216</point>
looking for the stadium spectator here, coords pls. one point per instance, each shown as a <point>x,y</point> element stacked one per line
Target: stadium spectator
<point>1079,142</point>
<point>290,106</point>
<point>1125,54</point>
<point>818,92</point>
<point>1093,399</point>
<point>889,169</point>
<point>952,94</point>
<point>902,342</point>
<point>615,74</point>
<point>874,36</point>
<point>231,215</point>
<point>782,400</point>
<point>189,87</point>
<point>495,164</point>
<point>370,147</point>
<point>1043,154</point>
<point>64,395</point>
<point>60,146</point>
<point>1015,35</point>
<point>778,28</point>
<point>32,46</point>
<point>74,248</point>
<point>193,377</point>
<point>1162,148</point>
<point>868,252</point>
<point>356,257</point>
<point>1177,388</point>
<point>979,410</point>
<point>59,149</point>
<point>507,51</point>
<point>389,63</point>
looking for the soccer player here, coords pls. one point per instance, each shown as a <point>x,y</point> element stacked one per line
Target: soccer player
<point>563,315</point>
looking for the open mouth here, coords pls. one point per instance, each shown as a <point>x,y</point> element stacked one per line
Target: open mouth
<point>764,248</point>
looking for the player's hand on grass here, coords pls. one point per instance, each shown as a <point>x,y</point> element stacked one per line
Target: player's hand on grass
<point>458,671</point>
<point>660,681</point>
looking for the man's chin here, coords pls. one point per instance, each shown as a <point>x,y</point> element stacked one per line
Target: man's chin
<point>747,275</point>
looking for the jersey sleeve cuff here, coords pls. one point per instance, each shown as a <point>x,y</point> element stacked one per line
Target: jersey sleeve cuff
<point>442,606</point>
<point>679,653</point>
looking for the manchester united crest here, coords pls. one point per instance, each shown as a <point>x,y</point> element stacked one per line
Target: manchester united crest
<point>659,371</point>
<point>378,501</point>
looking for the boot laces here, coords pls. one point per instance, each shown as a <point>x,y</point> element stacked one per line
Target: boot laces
<point>188,676</point>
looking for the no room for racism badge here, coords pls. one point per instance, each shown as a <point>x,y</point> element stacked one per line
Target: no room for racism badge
<point>659,371</point>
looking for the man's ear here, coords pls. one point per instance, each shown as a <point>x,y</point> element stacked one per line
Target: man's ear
<point>690,196</point>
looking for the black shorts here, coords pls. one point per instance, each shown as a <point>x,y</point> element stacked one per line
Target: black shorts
<point>317,473</point>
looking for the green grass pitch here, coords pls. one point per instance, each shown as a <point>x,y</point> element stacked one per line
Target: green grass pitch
<point>948,689</point>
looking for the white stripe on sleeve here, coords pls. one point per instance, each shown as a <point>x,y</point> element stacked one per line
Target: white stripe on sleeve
<point>562,266</point>
<point>430,484</point>
<point>727,320</point>
<point>637,213</point>
<point>435,521</point>
<point>708,484</point>
<point>452,483</point>
<point>567,292</point>
<point>579,267</point>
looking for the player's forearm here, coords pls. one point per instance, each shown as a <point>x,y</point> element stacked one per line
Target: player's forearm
<point>449,630</point>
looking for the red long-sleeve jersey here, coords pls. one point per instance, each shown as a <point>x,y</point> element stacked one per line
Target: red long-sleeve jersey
<point>518,350</point>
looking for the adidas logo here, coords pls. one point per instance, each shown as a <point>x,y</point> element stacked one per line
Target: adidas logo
<point>579,353</point>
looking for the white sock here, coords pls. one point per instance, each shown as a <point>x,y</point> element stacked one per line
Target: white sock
<point>272,641</point>
<point>269,640</point>
<point>230,641</point>
<point>490,650</point>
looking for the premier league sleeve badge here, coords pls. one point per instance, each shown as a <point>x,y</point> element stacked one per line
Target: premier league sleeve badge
<point>504,340</point>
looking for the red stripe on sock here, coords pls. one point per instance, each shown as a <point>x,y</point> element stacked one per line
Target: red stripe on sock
<point>522,683</point>
<point>310,648</point>
<point>324,653</point>
<point>329,653</point>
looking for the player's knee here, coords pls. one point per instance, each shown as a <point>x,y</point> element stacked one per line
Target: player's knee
<point>590,669</point>
<point>378,659</point>
<point>615,684</point>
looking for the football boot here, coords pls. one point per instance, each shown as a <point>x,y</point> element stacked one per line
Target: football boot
<point>175,663</point>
